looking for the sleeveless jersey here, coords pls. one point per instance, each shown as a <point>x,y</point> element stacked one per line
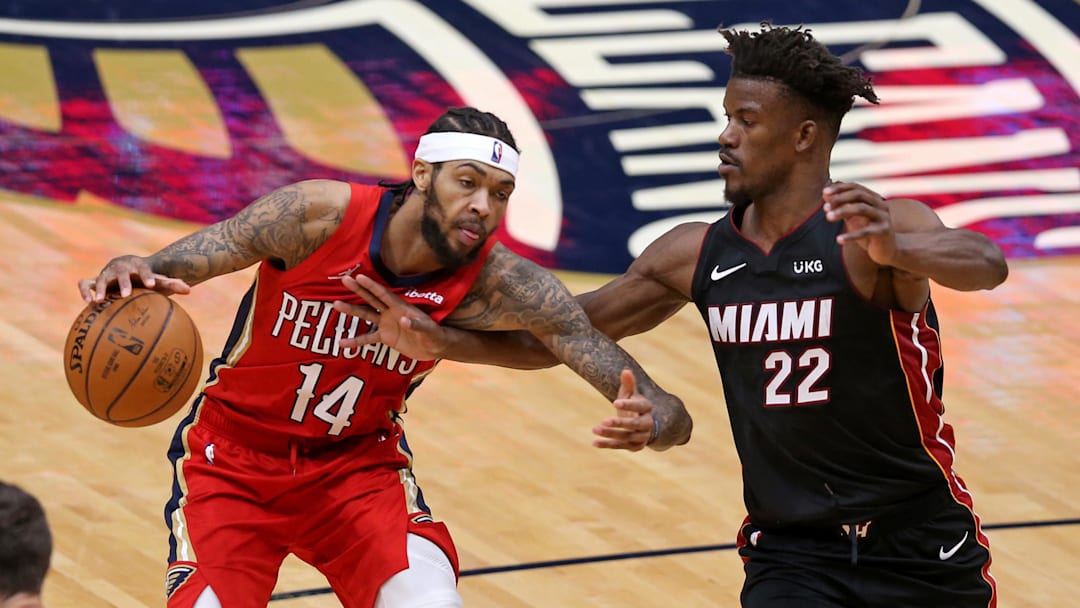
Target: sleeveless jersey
<point>834,402</point>
<point>283,372</point>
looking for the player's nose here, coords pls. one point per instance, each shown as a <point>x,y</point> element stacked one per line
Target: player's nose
<point>480,202</point>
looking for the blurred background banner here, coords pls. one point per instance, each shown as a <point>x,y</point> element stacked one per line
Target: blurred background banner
<point>192,109</point>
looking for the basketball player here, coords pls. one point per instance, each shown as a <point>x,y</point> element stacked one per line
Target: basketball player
<point>296,444</point>
<point>25,548</point>
<point>816,298</point>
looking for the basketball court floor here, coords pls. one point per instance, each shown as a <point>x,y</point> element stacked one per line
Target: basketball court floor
<point>503,456</point>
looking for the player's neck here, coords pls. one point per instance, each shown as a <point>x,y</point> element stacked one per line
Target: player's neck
<point>770,218</point>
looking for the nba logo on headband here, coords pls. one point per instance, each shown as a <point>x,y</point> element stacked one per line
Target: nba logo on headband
<point>496,151</point>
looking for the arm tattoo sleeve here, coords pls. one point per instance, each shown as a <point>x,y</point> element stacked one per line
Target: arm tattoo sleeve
<point>514,293</point>
<point>283,226</point>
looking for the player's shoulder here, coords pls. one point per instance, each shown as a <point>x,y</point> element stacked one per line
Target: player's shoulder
<point>688,232</point>
<point>672,257</point>
<point>501,260</point>
<point>504,269</point>
<point>681,242</point>
<point>326,191</point>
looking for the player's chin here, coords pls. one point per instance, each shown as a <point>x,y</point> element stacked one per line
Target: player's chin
<point>737,195</point>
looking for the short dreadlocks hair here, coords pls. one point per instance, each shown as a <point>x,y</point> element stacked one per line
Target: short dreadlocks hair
<point>792,57</point>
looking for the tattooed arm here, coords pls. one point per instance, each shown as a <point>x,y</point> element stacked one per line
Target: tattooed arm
<point>514,293</point>
<point>284,227</point>
<point>519,315</point>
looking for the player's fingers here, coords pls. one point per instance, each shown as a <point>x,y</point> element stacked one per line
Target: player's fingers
<point>614,437</point>
<point>375,302</point>
<point>169,285</point>
<point>851,210</point>
<point>607,444</point>
<point>361,340</point>
<point>627,384</point>
<point>839,188</point>
<point>637,405</point>
<point>365,312</point>
<point>854,235</point>
<point>147,277</point>
<point>86,289</point>
<point>622,425</point>
<point>101,286</point>
<point>356,287</point>
<point>386,297</point>
<point>123,281</point>
<point>421,323</point>
<point>848,197</point>
<point>372,336</point>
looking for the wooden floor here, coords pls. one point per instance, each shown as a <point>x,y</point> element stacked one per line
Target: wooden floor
<point>503,456</point>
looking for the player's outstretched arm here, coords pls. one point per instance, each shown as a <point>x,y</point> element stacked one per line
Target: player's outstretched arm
<point>284,226</point>
<point>536,299</point>
<point>514,293</point>
<point>654,288</point>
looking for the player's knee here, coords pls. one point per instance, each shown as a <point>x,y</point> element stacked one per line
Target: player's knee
<point>419,597</point>
<point>428,582</point>
<point>207,599</point>
<point>438,598</point>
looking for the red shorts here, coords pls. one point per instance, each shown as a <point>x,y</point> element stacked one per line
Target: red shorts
<point>237,512</point>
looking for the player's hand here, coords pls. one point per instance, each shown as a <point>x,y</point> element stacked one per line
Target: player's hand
<point>866,218</point>
<point>632,427</point>
<point>126,272</point>
<point>396,323</point>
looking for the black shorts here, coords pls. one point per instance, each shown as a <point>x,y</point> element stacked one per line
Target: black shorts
<point>940,561</point>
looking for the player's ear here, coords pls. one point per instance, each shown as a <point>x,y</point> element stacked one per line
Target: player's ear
<point>808,132</point>
<point>421,174</point>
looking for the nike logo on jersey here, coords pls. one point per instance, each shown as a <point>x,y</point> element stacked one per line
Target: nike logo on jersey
<point>718,274</point>
<point>944,555</point>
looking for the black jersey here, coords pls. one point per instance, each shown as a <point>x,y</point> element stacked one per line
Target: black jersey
<point>835,402</point>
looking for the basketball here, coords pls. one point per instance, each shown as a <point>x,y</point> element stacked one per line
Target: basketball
<point>133,361</point>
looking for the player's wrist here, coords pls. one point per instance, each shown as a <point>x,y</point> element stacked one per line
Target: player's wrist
<point>655,431</point>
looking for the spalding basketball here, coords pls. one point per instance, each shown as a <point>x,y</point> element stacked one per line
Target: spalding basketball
<point>133,361</point>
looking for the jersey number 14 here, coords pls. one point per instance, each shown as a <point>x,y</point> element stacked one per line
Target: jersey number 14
<point>345,396</point>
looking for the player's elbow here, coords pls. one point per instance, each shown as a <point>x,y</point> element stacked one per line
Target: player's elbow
<point>1000,269</point>
<point>993,269</point>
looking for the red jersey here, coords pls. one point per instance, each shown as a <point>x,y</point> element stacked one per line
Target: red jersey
<point>283,371</point>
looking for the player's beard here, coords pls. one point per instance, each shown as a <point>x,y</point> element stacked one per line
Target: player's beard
<point>740,199</point>
<point>434,236</point>
<point>741,196</point>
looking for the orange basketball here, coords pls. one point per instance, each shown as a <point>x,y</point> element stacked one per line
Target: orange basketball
<point>133,361</point>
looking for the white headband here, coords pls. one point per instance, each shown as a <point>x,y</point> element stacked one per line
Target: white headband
<point>440,147</point>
